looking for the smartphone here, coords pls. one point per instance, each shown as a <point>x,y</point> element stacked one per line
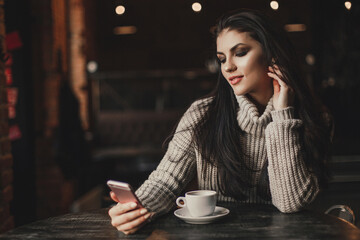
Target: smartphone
<point>123,192</point>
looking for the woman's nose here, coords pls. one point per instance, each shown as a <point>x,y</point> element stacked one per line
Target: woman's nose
<point>230,66</point>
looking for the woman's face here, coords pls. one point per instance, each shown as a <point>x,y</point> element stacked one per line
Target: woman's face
<point>243,64</point>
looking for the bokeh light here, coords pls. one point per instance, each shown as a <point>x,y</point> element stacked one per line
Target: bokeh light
<point>92,66</point>
<point>120,10</point>
<point>347,5</point>
<point>274,5</point>
<point>196,7</point>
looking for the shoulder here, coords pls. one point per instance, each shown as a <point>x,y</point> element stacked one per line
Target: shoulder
<point>195,112</point>
<point>200,105</point>
<point>198,108</point>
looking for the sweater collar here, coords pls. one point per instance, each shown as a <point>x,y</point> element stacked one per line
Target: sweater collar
<point>248,115</point>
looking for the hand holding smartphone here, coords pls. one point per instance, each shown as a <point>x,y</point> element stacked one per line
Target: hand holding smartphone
<point>123,192</point>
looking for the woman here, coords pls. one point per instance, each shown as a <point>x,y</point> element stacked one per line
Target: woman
<point>259,138</point>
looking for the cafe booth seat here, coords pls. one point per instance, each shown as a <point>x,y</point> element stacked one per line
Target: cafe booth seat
<point>342,190</point>
<point>135,128</point>
<point>129,145</point>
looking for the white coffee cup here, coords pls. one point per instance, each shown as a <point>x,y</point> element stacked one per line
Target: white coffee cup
<point>199,203</point>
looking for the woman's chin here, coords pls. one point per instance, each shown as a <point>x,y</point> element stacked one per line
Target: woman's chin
<point>239,92</point>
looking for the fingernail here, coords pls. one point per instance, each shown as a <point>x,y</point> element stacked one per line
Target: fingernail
<point>133,205</point>
<point>143,211</point>
<point>147,216</point>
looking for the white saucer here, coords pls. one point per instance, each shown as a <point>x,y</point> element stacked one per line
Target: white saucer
<point>183,214</point>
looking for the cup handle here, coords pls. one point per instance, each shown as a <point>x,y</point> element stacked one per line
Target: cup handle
<point>179,203</point>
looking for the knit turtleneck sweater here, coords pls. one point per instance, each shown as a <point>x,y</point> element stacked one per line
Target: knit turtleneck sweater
<point>271,136</point>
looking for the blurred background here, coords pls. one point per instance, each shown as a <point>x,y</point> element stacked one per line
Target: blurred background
<point>90,89</point>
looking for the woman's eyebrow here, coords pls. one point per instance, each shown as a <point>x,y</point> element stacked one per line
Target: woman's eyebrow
<point>233,48</point>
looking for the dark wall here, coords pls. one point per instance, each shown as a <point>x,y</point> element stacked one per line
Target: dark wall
<point>170,35</point>
<point>23,204</point>
<point>337,69</point>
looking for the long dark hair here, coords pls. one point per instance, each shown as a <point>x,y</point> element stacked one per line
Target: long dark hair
<point>216,135</point>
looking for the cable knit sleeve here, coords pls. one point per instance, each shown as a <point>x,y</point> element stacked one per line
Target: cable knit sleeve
<point>177,168</point>
<point>292,186</point>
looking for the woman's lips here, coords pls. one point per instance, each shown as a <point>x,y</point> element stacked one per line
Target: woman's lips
<point>235,79</point>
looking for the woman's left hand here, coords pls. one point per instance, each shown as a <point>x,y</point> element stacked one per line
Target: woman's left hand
<point>283,94</point>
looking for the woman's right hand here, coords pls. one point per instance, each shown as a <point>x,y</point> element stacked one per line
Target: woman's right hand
<point>126,217</point>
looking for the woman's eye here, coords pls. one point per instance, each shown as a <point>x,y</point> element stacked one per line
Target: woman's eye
<point>221,60</point>
<point>242,53</point>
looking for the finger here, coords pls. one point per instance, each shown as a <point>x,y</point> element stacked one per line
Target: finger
<point>281,82</point>
<point>137,228</point>
<point>134,224</point>
<point>128,217</point>
<point>113,196</point>
<point>275,69</point>
<point>275,66</point>
<point>276,86</point>
<point>278,76</point>
<point>274,76</point>
<point>121,209</point>
<point>131,231</point>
